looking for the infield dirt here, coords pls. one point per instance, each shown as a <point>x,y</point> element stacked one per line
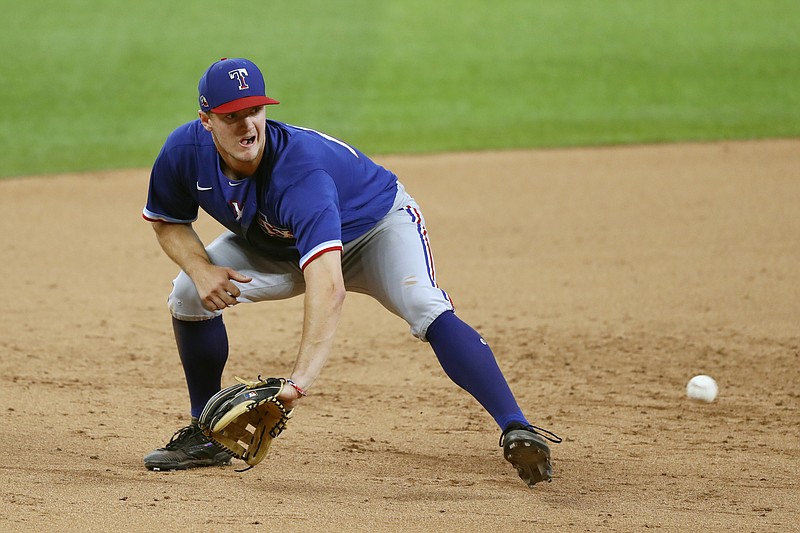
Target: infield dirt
<point>603,279</point>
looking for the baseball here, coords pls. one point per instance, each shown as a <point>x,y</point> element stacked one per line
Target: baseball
<point>702,388</point>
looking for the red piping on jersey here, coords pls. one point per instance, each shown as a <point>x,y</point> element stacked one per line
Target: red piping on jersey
<point>316,255</point>
<point>161,220</point>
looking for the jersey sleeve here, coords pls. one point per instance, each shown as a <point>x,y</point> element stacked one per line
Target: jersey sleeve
<point>168,197</point>
<point>310,207</point>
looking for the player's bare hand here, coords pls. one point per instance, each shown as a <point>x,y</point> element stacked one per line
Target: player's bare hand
<point>216,288</point>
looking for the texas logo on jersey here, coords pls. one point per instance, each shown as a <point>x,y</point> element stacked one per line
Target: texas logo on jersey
<point>273,230</point>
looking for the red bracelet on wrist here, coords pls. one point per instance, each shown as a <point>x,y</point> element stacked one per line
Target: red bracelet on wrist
<point>296,387</point>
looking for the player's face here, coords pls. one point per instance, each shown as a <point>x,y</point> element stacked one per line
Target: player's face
<point>239,137</point>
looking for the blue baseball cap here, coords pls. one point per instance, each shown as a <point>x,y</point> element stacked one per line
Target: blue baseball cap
<point>230,85</point>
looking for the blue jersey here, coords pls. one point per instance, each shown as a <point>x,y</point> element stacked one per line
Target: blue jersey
<point>311,194</point>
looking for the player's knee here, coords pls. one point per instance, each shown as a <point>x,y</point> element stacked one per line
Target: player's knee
<point>184,302</point>
<point>423,308</point>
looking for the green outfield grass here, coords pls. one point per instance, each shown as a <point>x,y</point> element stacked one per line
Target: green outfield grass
<point>99,84</point>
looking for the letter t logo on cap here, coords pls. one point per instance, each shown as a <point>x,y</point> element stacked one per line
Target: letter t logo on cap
<point>240,75</point>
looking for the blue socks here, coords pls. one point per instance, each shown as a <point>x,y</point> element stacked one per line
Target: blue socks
<point>467,359</point>
<point>463,354</point>
<point>203,347</point>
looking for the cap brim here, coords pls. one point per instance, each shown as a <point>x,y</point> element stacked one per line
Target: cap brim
<point>244,103</point>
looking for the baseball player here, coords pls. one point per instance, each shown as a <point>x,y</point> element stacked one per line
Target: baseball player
<point>305,214</point>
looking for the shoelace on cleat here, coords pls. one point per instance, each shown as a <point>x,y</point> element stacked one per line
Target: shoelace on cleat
<point>181,436</point>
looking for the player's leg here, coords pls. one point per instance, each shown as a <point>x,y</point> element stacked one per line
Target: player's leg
<point>394,264</point>
<point>468,360</point>
<point>202,342</point>
<point>200,334</point>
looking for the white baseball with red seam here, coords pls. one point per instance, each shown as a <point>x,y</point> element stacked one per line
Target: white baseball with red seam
<point>703,388</point>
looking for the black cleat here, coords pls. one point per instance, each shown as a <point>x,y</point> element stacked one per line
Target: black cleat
<point>527,451</point>
<point>188,448</point>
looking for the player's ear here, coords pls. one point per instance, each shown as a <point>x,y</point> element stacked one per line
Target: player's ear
<point>205,120</point>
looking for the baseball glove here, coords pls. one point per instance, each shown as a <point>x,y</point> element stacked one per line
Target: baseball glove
<point>244,418</point>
